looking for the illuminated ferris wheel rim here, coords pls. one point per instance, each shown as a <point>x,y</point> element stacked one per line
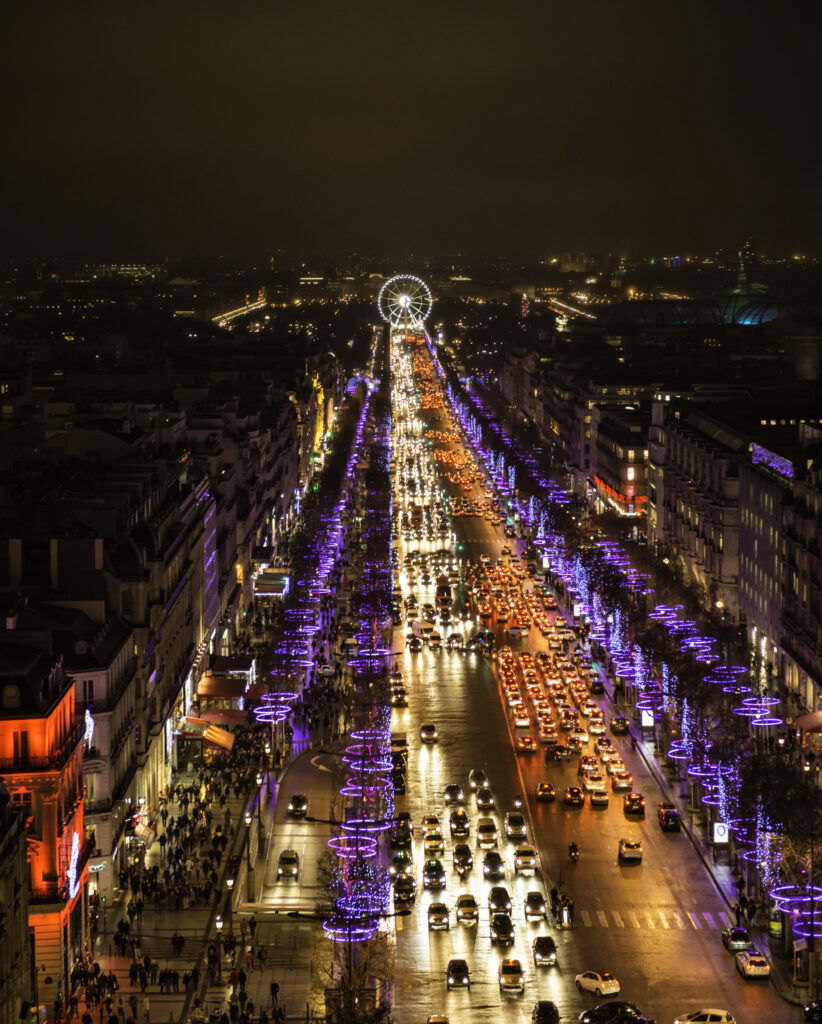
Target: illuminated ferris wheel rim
<point>405,301</point>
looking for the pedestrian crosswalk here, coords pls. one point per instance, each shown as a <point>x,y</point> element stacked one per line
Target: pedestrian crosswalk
<point>656,920</point>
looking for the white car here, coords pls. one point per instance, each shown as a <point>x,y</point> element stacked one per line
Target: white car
<point>706,1017</point>
<point>629,849</point>
<point>594,782</point>
<point>430,823</point>
<point>467,909</point>
<point>511,975</point>
<point>751,964</point>
<point>525,858</point>
<point>601,983</point>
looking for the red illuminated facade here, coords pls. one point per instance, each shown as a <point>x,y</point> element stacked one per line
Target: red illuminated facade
<point>41,762</point>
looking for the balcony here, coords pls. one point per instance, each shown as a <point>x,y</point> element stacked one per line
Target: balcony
<point>53,762</point>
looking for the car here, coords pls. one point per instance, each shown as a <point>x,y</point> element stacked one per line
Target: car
<point>485,798</point>
<point>457,974</point>
<point>288,864</point>
<point>587,764</point>
<point>668,817</point>
<point>502,929</point>
<point>433,874</point>
<point>534,906</point>
<point>558,752</point>
<point>525,859</point>
<point>438,1018</point>
<point>752,964</point>
<point>487,836</point>
<point>298,805</point>
<point>438,917</point>
<point>434,641</point>
<point>594,782</point>
<point>812,1012</point>
<point>619,725</point>
<point>525,745</point>
<point>573,797</point>
<point>601,983</point>
<point>515,827</point>
<point>401,835</point>
<point>615,767</point>
<point>405,889</point>
<point>430,823</point>
<point>622,781</point>
<point>401,863</point>
<point>399,698</point>
<point>499,900</point>
<point>598,798</point>
<point>459,824</point>
<point>711,1016</point>
<point>462,856</point>
<point>493,866</point>
<point>614,1012</point>
<point>511,976</point>
<point>455,642</point>
<point>466,909</point>
<point>545,792</point>
<point>428,733</point>
<point>545,951</point>
<point>634,803</point>
<point>545,1012</point>
<point>433,843</point>
<point>736,939</point>
<point>629,849</point>
<point>414,645</point>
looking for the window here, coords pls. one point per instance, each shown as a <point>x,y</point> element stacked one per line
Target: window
<point>88,691</point>
<point>21,747</point>
<point>630,473</point>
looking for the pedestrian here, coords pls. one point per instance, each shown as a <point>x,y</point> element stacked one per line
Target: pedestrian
<point>751,912</point>
<point>570,911</point>
<point>252,926</point>
<point>147,1010</point>
<point>743,903</point>
<point>737,909</point>
<point>275,991</point>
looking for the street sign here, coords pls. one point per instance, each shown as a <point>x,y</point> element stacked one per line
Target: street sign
<point>720,834</point>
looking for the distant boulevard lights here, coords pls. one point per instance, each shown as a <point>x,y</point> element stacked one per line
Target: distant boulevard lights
<point>405,301</point>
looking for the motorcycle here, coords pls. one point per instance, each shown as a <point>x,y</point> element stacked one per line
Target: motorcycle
<point>573,853</point>
<point>517,802</point>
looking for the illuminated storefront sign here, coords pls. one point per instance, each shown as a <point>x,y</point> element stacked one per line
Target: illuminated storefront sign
<point>72,882</point>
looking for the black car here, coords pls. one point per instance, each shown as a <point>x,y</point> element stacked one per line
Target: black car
<point>433,874</point>
<point>398,781</point>
<point>405,889</point>
<point>558,752</point>
<point>401,835</point>
<point>545,1012</point>
<point>619,727</point>
<point>668,817</point>
<point>813,1013</point>
<point>463,856</point>
<point>596,687</point>
<point>502,929</point>
<point>614,1013</point>
<point>633,803</point>
<point>545,951</point>
<point>499,900</point>
<point>298,805</point>
<point>457,975</point>
<point>493,866</point>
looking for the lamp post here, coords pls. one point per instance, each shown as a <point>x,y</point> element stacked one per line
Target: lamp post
<point>218,924</point>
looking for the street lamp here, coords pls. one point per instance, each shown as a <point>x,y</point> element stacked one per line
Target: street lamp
<point>218,924</point>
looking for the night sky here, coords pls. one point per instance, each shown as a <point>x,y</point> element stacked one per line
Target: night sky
<point>144,128</point>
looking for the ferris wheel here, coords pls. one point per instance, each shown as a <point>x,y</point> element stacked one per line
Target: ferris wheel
<point>405,301</point>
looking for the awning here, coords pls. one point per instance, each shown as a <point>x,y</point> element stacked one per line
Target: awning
<point>221,686</point>
<point>224,716</point>
<point>810,723</point>
<point>210,733</point>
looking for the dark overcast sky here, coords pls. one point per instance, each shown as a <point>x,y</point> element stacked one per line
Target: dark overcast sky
<point>231,126</point>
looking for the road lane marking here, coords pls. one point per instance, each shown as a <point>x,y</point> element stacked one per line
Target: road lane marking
<point>709,919</point>
<point>634,919</point>
<point>694,921</point>
<point>618,920</point>
<point>586,918</point>
<point>603,920</point>
<point>678,920</point>
<point>650,921</point>
<point>663,918</point>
